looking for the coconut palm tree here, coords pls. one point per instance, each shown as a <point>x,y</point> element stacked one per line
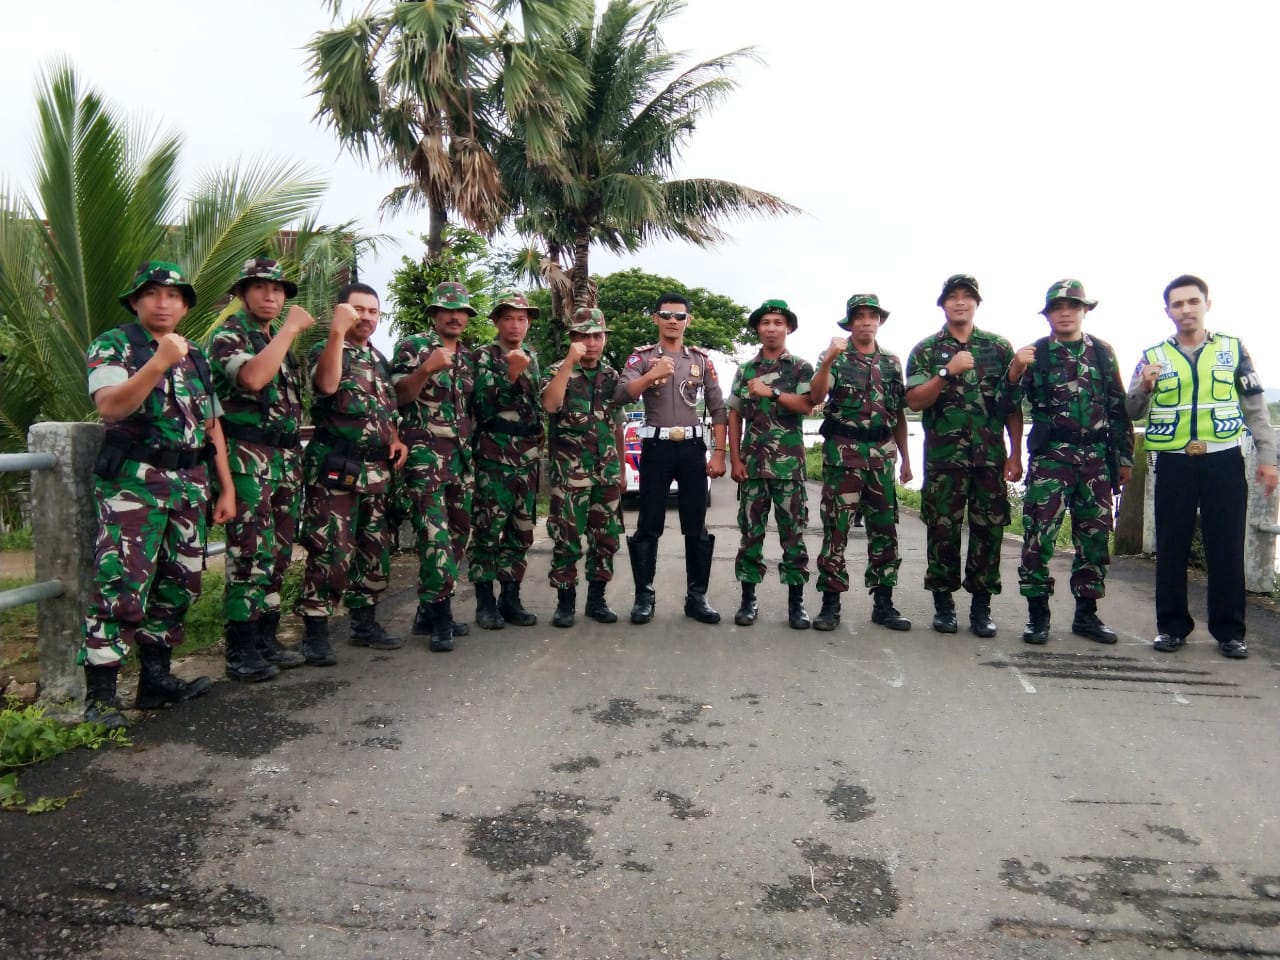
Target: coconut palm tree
<point>610,184</point>
<point>430,86</point>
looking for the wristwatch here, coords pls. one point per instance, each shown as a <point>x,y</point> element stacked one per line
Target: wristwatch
<point>777,394</point>
<point>944,373</point>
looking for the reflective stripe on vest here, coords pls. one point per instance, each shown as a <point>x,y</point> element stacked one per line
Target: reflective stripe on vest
<point>1195,403</point>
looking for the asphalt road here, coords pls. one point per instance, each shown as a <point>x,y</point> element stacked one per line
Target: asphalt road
<point>678,790</point>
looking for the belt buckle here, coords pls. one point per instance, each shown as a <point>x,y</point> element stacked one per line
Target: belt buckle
<point>675,433</point>
<point>1196,447</point>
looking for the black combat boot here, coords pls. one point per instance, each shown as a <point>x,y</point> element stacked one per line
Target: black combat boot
<point>1086,623</point>
<point>441,626</point>
<point>697,566</point>
<point>746,614</point>
<point>244,660</point>
<point>883,611</point>
<point>944,612</point>
<point>487,615</point>
<point>272,650</point>
<point>644,562</point>
<point>423,622</point>
<point>1037,629</point>
<point>512,609</point>
<point>980,621</point>
<point>597,607</point>
<point>366,631</point>
<point>158,687</point>
<point>316,647</point>
<point>828,617</point>
<point>797,616</point>
<point>101,705</point>
<point>566,606</point>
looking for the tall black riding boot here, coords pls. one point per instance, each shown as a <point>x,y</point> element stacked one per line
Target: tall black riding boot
<point>885,613</point>
<point>566,607</point>
<point>101,705</point>
<point>980,621</point>
<point>158,687</point>
<point>366,631</point>
<point>269,645</point>
<point>797,616</point>
<point>944,612</point>
<point>244,660</point>
<point>441,626</point>
<point>746,614</point>
<point>487,615</point>
<point>512,609</point>
<point>315,642</point>
<point>698,551</point>
<point>597,607</point>
<point>1086,622</point>
<point>1037,629</point>
<point>828,617</point>
<point>644,563</point>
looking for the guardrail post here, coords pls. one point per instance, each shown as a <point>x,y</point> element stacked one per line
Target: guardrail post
<point>1259,547</point>
<point>63,530</point>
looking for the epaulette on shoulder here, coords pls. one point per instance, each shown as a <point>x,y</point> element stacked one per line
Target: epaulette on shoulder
<point>647,346</point>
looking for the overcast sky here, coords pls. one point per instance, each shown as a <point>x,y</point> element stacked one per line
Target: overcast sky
<point>1120,143</point>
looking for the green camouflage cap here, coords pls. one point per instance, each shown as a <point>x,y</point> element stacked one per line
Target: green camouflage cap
<point>511,298</point>
<point>773,306</point>
<point>263,268</point>
<point>1068,290</point>
<point>959,281</point>
<point>163,272</point>
<point>588,320</point>
<point>861,300</point>
<point>451,295</point>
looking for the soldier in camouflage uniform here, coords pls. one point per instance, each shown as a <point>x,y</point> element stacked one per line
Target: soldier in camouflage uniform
<point>1078,425</point>
<point>864,427</point>
<point>259,383</point>
<point>957,378</point>
<point>507,443</point>
<point>434,374</point>
<point>153,389</point>
<point>348,466</point>
<point>770,398</point>
<point>585,453</point>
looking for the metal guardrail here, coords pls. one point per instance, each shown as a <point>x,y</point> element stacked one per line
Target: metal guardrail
<point>45,589</point>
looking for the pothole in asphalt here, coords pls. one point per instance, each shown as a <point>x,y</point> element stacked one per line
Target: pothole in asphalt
<point>535,833</point>
<point>848,802</point>
<point>850,889</point>
<point>682,808</point>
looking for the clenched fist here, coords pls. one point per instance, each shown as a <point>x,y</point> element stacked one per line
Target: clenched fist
<point>171,349</point>
<point>577,350</point>
<point>344,318</point>
<point>662,371</point>
<point>440,359</point>
<point>297,320</point>
<point>517,363</point>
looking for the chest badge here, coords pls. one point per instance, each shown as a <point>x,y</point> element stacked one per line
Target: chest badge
<point>694,370</point>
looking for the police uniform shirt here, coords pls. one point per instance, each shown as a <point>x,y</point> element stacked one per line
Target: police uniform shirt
<point>675,403</point>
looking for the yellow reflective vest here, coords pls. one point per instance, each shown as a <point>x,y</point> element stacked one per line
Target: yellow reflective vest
<point>1199,402</point>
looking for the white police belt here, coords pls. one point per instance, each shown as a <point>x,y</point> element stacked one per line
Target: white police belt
<point>696,432</point>
<point>1196,448</point>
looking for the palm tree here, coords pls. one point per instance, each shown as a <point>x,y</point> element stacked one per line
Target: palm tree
<point>431,86</point>
<point>610,184</point>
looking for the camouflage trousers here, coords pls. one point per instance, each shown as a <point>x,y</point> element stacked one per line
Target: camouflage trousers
<point>1053,488</point>
<point>593,512</point>
<point>348,550</point>
<point>844,492</point>
<point>790,503</point>
<point>259,545</point>
<point>441,516</point>
<point>149,555</point>
<point>502,519</point>
<point>943,500</point>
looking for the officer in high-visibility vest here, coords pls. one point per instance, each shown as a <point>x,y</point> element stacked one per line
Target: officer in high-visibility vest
<point>1198,390</point>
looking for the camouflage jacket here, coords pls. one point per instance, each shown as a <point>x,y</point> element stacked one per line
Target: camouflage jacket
<point>361,413</point>
<point>508,415</point>
<point>965,426</point>
<point>864,403</point>
<point>583,443</point>
<point>172,417</point>
<point>438,422</point>
<point>278,406</point>
<point>1074,406</point>
<point>772,443</point>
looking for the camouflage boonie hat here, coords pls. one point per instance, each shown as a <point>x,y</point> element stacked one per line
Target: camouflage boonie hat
<point>861,300</point>
<point>588,320</point>
<point>163,272</point>
<point>263,268</point>
<point>510,298</point>
<point>773,306</point>
<point>451,295</point>
<point>959,281</point>
<point>1068,290</point>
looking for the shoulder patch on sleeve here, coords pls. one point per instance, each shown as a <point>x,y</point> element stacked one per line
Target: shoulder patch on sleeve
<point>633,360</point>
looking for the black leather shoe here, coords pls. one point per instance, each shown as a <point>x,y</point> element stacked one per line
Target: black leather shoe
<point>747,612</point>
<point>944,613</point>
<point>980,621</point>
<point>1234,649</point>
<point>828,617</point>
<point>797,616</point>
<point>1037,629</point>
<point>1088,625</point>
<point>566,605</point>
<point>1168,643</point>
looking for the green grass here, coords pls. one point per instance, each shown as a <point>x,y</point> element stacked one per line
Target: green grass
<point>205,620</point>
<point>19,539</point>
<point>20,621</point>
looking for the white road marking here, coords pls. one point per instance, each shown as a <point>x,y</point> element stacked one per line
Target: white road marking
<point>1026,684</point>
<point>896,680</point>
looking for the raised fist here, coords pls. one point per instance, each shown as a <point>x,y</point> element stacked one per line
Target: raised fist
<point>662,370</point>
<point>577,350</point>
<point>961,362</point>
<point>344,318</point>
<point>1150,374</point>
<point>297,320</point>
<point>171,349</point>
<point>837,346</point>
<point>517,362</point>
<point>440,358</point>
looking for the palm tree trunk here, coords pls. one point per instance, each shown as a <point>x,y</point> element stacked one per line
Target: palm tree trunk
<point>581,268</point>
<point>437,218</point>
